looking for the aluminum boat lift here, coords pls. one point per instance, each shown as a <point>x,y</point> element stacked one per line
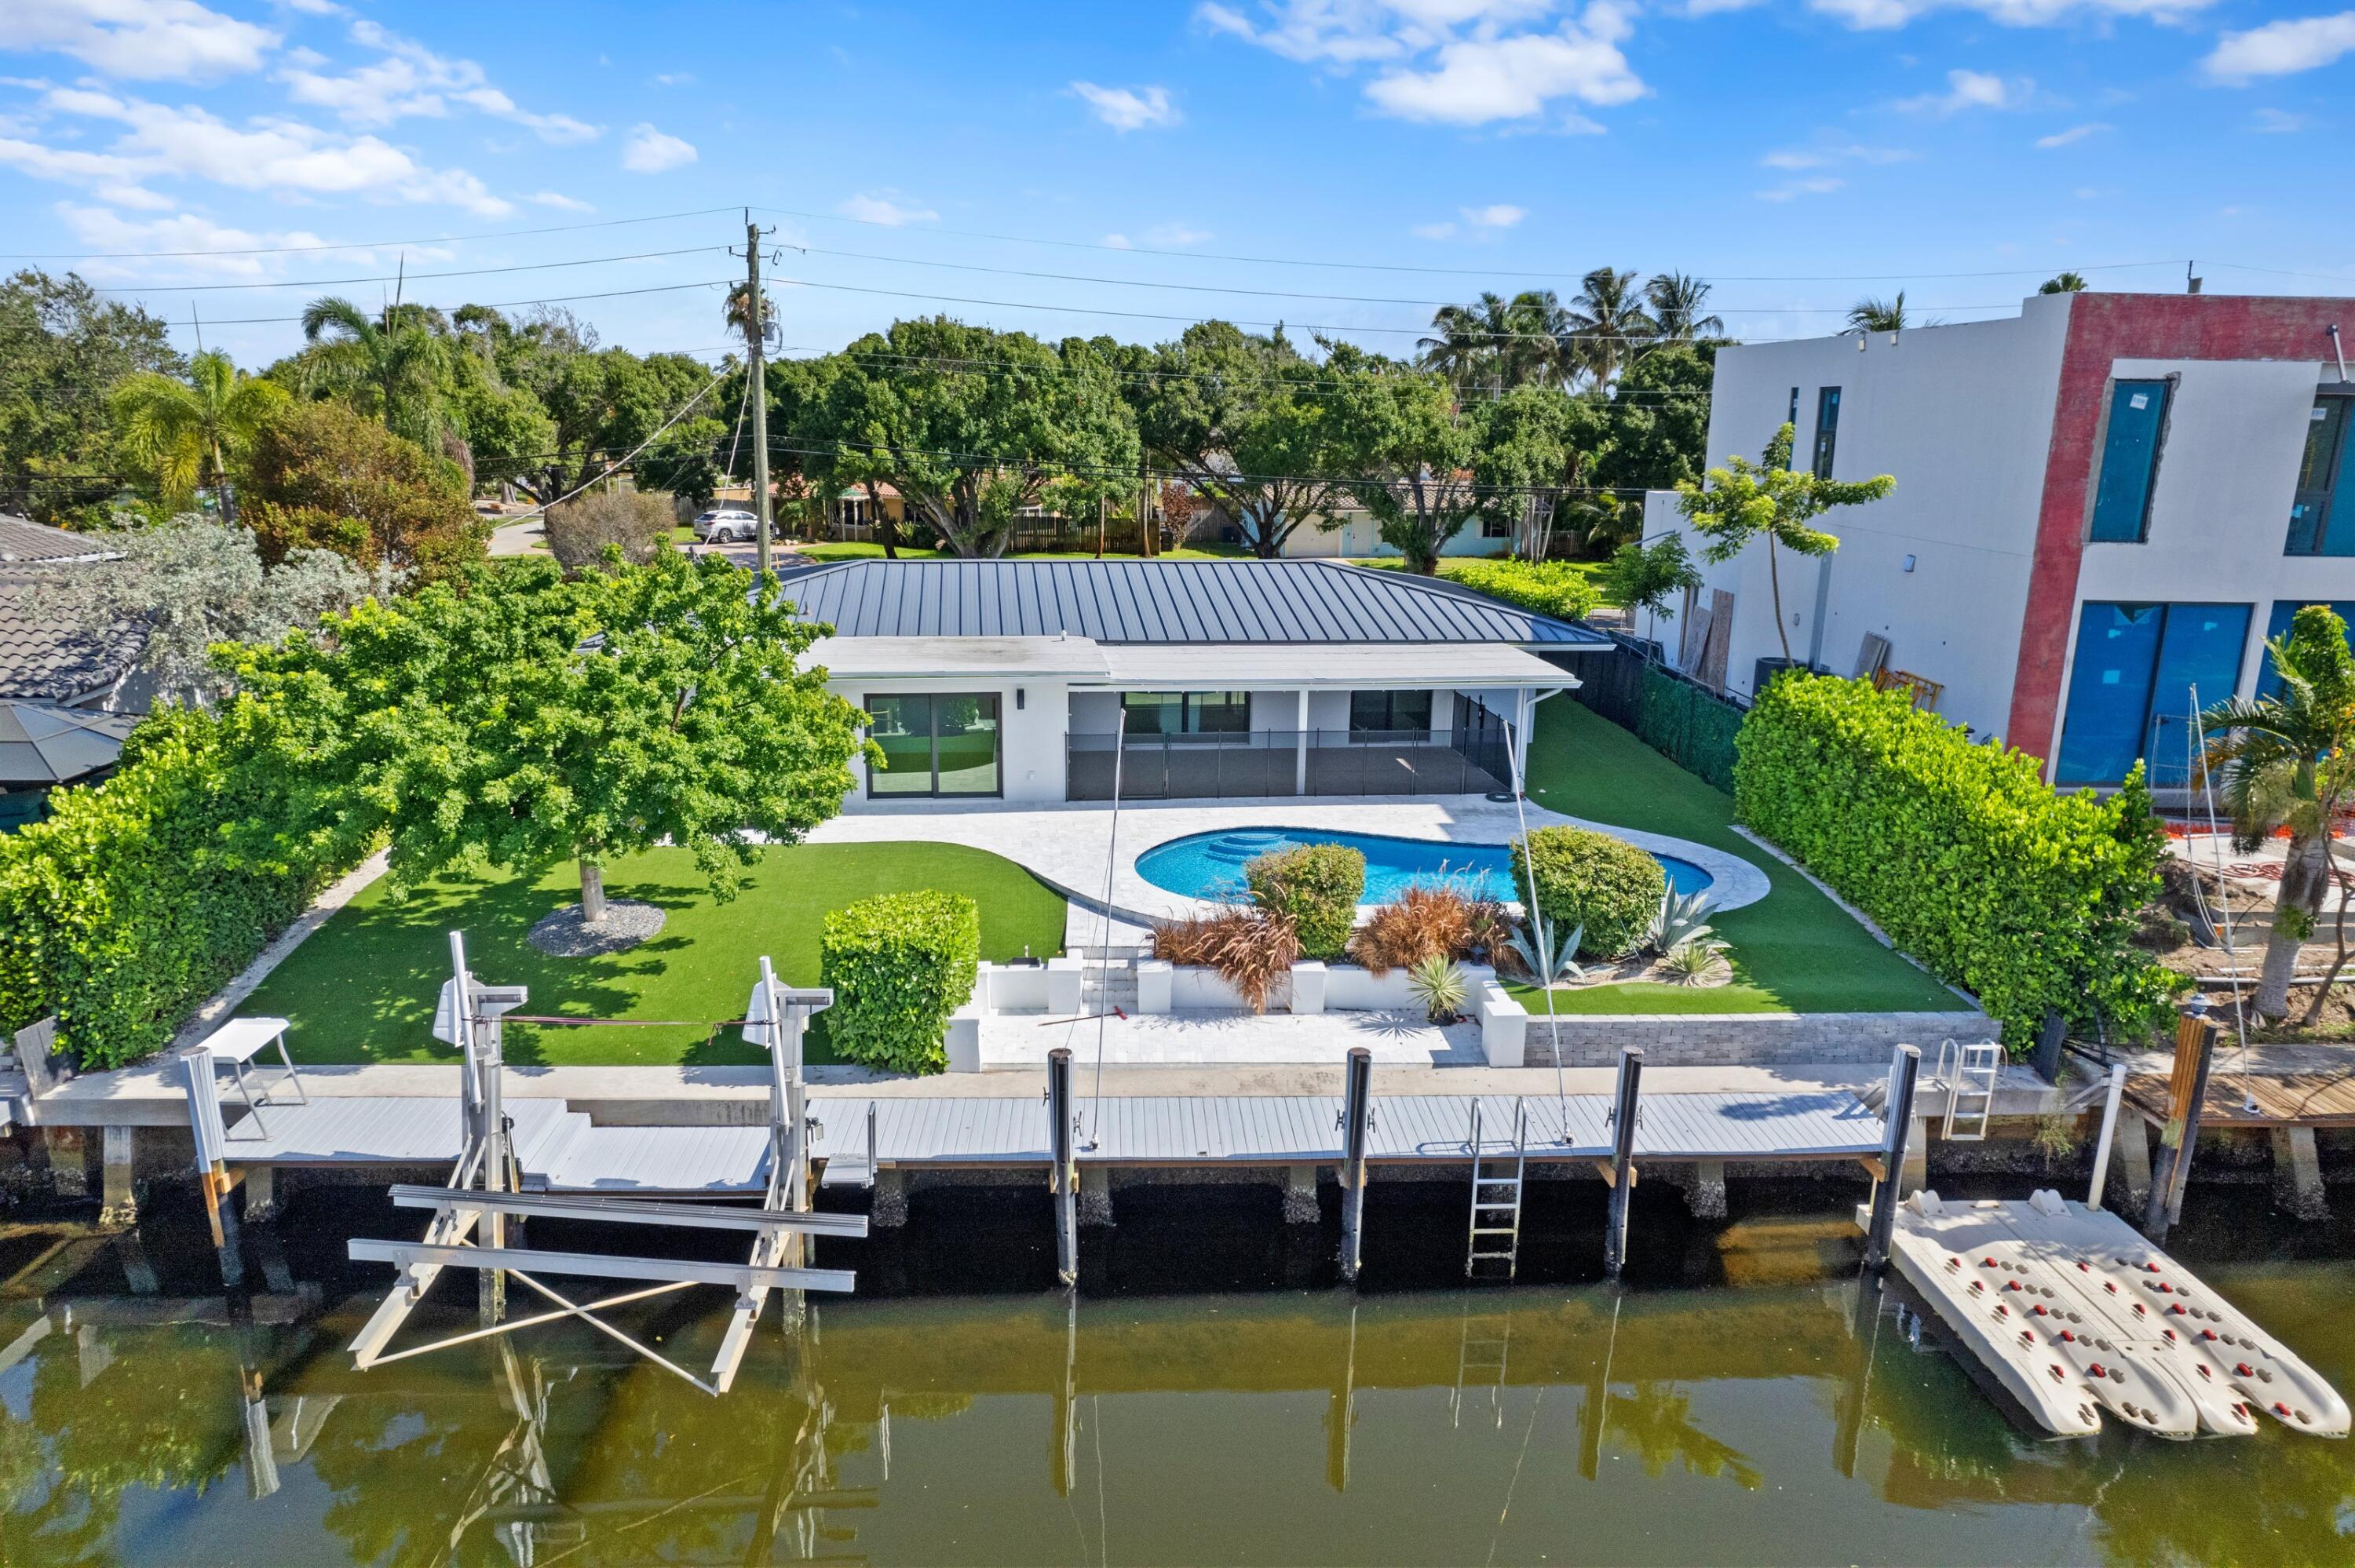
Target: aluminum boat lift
<point>541,1159</point>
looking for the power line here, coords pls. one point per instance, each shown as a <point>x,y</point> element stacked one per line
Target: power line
<point>352,244</point>
<point>428,277</point>
<point>1445,271</point>
<point>503,304</point>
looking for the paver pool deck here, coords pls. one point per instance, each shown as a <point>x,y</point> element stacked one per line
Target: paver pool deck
<point>1065,845</point>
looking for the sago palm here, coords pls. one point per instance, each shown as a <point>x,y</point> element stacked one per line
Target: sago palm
<point>2284,762</point>
<point>185,430</point>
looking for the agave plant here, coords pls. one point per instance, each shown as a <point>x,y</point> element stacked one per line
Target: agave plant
<point>1439,984</point>
<point>1560,967</point>
<point>1681,917</point>
<point>1696,961</point>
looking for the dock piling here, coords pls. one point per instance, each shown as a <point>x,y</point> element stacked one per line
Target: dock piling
<point>1356,1114</point>
<point>1904,1067</point>
<point>1622,1159</point>
<point>2195,1040</point>
<point>1063,1175</point>
<point>2109,1136</point>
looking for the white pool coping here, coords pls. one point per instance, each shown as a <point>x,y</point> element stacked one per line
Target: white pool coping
<point>1065,845</point>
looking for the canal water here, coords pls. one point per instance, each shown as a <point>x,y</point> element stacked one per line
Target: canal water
<point>1210,1395</point>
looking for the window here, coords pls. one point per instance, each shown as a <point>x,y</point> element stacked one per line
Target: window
<point>1495,528</point>
<point>2138,669</point>
<point>1375,712</point>
<point>945,745</point>
<point>1186,713</point>
<point>2277,625</point>
<point>2311,520</point>
<point>1828,401</point>
<point>2129,461</point>
<point>1792,418</point>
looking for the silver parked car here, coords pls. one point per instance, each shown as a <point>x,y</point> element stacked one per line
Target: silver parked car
<point>726,525</point>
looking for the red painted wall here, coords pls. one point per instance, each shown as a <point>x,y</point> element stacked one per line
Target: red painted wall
<point>2103,329</point>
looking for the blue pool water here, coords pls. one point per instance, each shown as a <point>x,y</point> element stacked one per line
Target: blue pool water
<point>1210,866</point>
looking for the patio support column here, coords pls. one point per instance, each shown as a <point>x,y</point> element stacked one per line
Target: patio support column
<point>1522,707</point>
<point>1300,747</point>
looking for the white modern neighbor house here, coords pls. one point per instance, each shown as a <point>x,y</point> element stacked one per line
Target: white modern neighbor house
<point>2103,505</point>
<point>1033,680</point>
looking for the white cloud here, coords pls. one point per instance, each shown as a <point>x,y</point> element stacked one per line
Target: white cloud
<point>1969,89</point>
<point>104,230</point>
<point>1881,14</point>
<point>675,78</point>
<point>284,156</point>
<point>2282,49</point>
<point>2278,122</point>
<point>1699,8</point>
<point>650,151</point>
<point>409,80</point>
<point>1169,235</point>
<point>2074,133</point>
<point>1791,190</point>
<point>1828,153</point>
<point>1118,242</point>
<point>881,206</point>
<point>1454,62</point>
<point>1435,231</point>
<point>559,201</point>
<point>1501,215</point>
<point>148,40</point>
<point>1129,108</point>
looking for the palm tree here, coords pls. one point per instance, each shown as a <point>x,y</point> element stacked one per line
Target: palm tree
<point>1605,325</point>
<point>393,362</point>
<point>1677,303</point>
<point>1496,343</point>
<point>182,429</point>
<point>1877,315</point>
<point>736,311</point>
<point>2063,283</point>
<point>2288,760</point>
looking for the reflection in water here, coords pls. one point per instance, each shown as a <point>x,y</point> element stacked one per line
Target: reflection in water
<point>1774,1423</point>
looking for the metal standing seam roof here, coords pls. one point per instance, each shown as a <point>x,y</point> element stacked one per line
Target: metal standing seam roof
<point>1163,601</point>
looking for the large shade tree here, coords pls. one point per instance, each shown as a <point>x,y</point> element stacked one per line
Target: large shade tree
<point>184,431</point>
<point>528,715</point>
<point>62,347</point>
<point>1533,452</point>
<point>974,427</point>
<point>1242,420</point>
<point>321,476</point>
<point>2288,760</point>
<point>1408,448</point>
<point>1767,499</point>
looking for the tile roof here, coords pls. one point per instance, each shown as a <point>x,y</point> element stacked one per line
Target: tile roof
<point>42,657</point>
<point>24,542</point>
<point>1293,601</point>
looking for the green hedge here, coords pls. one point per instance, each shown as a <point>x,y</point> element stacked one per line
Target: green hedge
<point>133,902</point>
<point>1960,852</point>
<point>1319,886</point>
<point>1591,882</point>
<point>1687,724</point>
<point>899,963</point>
<point>1563,588</point>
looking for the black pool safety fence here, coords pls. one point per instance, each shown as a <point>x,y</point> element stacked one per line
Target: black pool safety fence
<point>1252,763</point>
<point>1676,715</point>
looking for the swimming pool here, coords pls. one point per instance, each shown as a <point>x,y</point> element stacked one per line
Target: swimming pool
<point>1210,866</point>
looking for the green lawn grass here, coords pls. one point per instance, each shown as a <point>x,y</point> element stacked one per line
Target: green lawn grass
<point>362,989</point>
<point>1794,951</point>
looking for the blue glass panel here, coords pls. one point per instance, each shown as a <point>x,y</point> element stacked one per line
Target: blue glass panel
<point>2199,653</point>
<point>2284,611</point>
<point>2122,502</point>
<point>2109,692</point>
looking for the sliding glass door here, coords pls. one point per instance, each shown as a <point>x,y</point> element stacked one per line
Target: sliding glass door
<point>944,744</point>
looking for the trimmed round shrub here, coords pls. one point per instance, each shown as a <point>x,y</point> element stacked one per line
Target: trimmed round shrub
<point>1318,885</point>
<point>899,963</point>
<point>1592,883</point>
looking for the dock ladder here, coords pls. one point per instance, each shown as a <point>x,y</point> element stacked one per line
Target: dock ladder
<point>1495,1222</point>
<point>1969,1073</point>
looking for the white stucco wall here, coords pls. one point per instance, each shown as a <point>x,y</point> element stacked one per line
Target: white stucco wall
<point>1030,748</point>
<point>1962,416</point>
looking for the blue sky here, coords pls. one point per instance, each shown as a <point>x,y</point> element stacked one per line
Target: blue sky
<point>1797,154</point>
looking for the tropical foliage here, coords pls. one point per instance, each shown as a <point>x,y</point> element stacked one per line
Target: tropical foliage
<point>182,430</point>
<point>1316,887</point>
<point>63,348</point>
<point>1961,853</point>
<point>320,476</point>
<point>1562,588</point>
<point>1577,879</point>
<point>2288,760</point>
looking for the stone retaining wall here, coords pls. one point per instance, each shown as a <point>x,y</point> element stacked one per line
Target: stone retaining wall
<point>1708,1039</point>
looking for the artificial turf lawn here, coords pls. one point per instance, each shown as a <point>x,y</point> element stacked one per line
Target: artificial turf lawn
<point>362,989</point>
<point>1794,951</point>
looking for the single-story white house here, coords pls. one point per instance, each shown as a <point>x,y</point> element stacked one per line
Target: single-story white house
<point>1039,681</point>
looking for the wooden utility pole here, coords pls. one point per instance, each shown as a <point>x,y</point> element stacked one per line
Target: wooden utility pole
<point>756,324</point>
